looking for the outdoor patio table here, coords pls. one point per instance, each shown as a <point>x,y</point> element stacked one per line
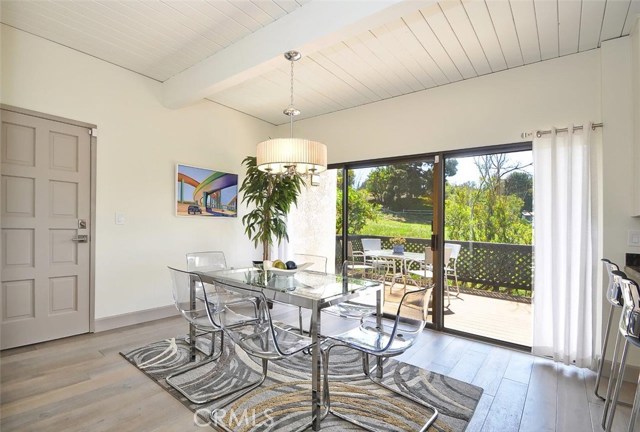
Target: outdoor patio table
<point>310,290</point>
<point>403,258</point>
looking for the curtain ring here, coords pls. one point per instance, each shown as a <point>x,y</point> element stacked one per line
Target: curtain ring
<point>538,134</point>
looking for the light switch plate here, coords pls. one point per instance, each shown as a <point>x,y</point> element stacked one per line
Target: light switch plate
<point>120,219</point>
<point>633,238</point>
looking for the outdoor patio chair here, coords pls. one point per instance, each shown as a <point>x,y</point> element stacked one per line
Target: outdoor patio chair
<point>354,255</point>
<point>385,340</point>
<point>424,269</point>
<point>450,269</point>
<point>371,244</point>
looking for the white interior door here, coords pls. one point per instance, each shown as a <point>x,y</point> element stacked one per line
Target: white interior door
<point>45,208</point>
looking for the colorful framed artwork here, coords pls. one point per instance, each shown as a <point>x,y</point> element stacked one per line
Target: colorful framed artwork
<point>202,192</point>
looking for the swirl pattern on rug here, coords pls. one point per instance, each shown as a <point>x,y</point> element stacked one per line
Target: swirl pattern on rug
<point>283,401</point>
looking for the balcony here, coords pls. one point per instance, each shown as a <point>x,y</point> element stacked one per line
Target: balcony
<point>496,285</point>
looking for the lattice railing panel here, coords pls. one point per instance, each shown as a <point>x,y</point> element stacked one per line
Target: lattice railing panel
<point>489,264</point>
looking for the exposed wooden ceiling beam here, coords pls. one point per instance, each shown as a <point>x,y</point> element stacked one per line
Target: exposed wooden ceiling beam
<point>317,24</point>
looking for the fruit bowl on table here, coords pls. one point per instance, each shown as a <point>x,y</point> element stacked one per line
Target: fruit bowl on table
<point>291,272</point>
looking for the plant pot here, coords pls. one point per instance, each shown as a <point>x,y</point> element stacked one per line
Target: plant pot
<point>398,249</point>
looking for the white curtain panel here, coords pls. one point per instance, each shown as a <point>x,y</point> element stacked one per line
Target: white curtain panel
<point>564,298</point>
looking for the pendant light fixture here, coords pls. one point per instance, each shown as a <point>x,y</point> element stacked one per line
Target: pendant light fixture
<point>291,155</point>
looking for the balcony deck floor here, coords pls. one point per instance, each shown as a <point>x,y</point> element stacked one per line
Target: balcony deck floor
<point>499,319</point>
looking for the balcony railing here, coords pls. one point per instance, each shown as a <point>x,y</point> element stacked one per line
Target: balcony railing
<point>492,267</point>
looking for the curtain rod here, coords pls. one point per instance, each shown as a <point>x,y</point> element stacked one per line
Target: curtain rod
<point>545,132</point>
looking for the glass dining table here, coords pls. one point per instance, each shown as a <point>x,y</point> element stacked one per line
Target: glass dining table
<point>307,289</point>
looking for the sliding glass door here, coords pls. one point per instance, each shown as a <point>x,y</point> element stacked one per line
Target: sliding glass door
<point>465,223</point>
<point>488,214</point>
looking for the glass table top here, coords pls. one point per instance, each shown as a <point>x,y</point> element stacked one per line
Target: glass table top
<point>304,288</point>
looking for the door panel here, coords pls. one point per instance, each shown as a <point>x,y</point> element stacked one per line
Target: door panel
<point>45,194</point>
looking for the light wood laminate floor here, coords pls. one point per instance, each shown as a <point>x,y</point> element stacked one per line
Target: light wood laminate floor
<point>83,384</point>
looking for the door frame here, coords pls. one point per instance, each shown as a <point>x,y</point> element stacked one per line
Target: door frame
<point>93,150</point>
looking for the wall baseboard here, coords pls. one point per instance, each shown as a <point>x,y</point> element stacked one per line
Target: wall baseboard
<point>138,317</point>
<point>630,371</point>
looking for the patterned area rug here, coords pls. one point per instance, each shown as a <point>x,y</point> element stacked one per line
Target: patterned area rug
<point>283,401</point>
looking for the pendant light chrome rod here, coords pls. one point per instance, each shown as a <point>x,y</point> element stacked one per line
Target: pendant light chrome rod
<point>291,155</point>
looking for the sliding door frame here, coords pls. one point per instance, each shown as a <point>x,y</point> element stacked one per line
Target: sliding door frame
<point>437,239</point>
<point>480,151</point>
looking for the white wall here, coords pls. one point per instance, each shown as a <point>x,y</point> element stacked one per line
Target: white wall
<point>139,144</point>
<point>618,155</point>
<point>495,109</point>
<point>312,223</point>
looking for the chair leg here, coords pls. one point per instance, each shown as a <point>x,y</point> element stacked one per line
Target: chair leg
<point>326,395</point>
<point>612,381</point>
<point>211,358</point>
<point>169,378</point>
<point>446,284</point>
<point>414,399</point>
<point>604,351</point>
<point>365,364</point>
<point>300,320</point>
<point>367,372</point>
<point>619,382</point>
<point>265,366</point>
<point>455,277</point>
<point>635,409</point>
<point>241,392</point>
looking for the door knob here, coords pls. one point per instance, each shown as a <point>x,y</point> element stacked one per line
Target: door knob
<point>82,238</point>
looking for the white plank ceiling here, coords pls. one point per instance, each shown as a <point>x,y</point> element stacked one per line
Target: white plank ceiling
<point>433,46</point>
<point>155,38</point>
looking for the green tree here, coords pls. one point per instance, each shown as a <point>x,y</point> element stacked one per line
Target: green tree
<point>474,214</point>
<point>360,210</point>
<point>405,186</point>
<point>520,183</point>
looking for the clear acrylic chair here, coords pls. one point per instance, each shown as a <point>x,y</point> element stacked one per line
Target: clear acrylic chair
<point>318,264</point>
<point>365,304</point>
<point>206,261</point>
<point>209,261</point>
<point>191,304</point>
<point>386,340</point>
<point>614,297</point>
<point>255,333</point>
<point>629,328</point>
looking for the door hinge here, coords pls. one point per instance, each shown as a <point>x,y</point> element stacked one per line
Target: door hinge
<point>93,132</point>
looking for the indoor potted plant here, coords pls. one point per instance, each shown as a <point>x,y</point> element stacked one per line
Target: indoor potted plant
<point>398,245</point>
<point>272,195</point>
